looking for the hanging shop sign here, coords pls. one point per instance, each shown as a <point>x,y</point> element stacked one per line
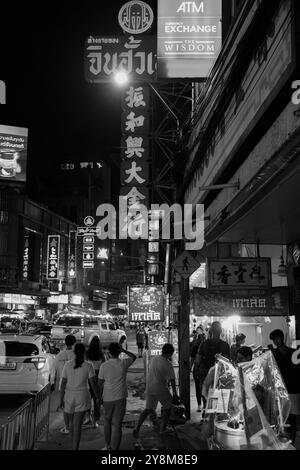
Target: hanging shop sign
<point>239,273</point>
<point>189,37</point>
<point>72,255</point>
<point>244,303</point>
<point>136,17</point>
<point>84,231</point>
<point>156,341</point>
<point>146,303</point>
<point>25,270</point>
<point>134,170</point>
<point>107,55</point>
<point>53,251</point>
<point>13,153</point>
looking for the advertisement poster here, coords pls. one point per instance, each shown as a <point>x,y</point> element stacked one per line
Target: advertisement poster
<point>13,153</point>
<point>146,303</point>
<point>189,38</point>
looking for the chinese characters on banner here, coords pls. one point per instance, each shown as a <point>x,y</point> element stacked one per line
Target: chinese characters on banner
<point>239,273</point>
<point>135,160</point>
<point>26,258</point>
<point>106,55</point>
<point>53,251</point>
<point>72,255</point>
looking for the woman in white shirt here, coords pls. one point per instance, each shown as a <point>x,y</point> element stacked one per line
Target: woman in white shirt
<point>96,356</point>
<point>75,396</point>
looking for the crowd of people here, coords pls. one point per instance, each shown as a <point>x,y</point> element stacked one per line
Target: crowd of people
<point>89,378</point>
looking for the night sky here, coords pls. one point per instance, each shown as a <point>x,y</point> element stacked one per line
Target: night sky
<point>41,61</point>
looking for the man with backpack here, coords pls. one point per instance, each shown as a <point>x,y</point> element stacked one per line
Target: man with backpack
<point>205,357</point>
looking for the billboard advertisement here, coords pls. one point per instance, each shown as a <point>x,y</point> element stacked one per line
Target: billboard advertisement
<point>146,303</point>
<point>13,153</point>
<point>239,273</point>
<point>189,37</point>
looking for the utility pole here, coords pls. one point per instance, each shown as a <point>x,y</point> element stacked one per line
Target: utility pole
<point>184,347</point>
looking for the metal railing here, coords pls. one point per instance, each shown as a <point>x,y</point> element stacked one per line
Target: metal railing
<point>28,424</point>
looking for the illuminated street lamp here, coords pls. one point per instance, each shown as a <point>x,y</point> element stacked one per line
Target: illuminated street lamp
<point>121,77</point>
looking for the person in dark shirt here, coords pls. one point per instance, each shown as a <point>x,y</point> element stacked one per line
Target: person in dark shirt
<point>198,338</point>
<point>239,342</point>
<point>290,374</point>
<point>205,358</point>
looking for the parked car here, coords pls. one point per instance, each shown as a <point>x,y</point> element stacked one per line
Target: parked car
<point>26,363</point>
<point>84,327</point>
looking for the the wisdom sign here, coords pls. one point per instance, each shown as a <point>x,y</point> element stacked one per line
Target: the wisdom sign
<point>189,37</point>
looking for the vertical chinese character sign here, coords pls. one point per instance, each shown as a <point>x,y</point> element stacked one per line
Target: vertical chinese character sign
<point>135,160</point>
<point>72,255</point>
<point>25,258</point>
<point>53,257</point>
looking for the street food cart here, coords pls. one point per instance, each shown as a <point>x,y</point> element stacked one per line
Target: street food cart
<point>248,406</point>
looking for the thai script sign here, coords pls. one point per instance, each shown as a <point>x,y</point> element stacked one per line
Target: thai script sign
<point>249,303</point>
<point>146,303</point>
<point>156,341</point>
<point>106,55</point>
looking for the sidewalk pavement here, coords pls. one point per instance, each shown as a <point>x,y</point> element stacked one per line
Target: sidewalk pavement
<point>93,438</point>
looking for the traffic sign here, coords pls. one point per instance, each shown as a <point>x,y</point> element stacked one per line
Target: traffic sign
<point>81,231</point>
<point>88,264</point>
<point>88,256</point>
<point>89,221</point>
<point>185,265</point>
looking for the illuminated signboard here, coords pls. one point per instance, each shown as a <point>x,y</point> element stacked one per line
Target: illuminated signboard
<point>146,303</point>
<point>247,303</point>
<point>239,273</point>
<point>58,299</point>
<point>156,341</point>
<point>53,257</point>
<point>189,37</point>
<point>106,55</point>
<point>136,17</point>
<point>13,153</point>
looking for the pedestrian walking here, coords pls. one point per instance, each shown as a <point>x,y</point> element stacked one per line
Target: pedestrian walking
<point>239,342</point>
<point>198,338</point>
<point>95,355</point>
<point>205,357</point>
<point>60,360</point>
<point>161,373</point>
<point>290,374</point>
<point>113,390</point>
<point>140,340</point>
<point>75,398</point>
